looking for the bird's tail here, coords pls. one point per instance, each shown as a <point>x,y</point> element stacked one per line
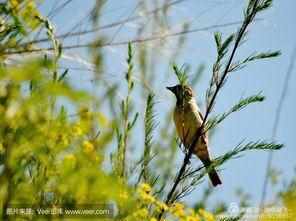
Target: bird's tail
<point>213,175</point>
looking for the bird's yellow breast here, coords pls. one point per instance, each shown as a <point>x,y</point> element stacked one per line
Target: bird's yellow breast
<point>187,121</point>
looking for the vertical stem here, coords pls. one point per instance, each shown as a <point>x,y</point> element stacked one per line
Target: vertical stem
<point>125,111</point>
<point>125,136</point>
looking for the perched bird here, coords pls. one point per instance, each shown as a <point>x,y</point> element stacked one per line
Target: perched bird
<point>188,120</point>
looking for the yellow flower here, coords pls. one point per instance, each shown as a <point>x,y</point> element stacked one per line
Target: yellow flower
<point>145,187</point>
<point>51,135</point>
<point>62,138</point>
<point>142,213</point>
<point>179,213</point>
<point>178,210</point>
<point>70,157</point>
<point>84,113</point>
<point>123,195</point>
<point>77,131</point>
<point>144,192</point>
<point>178,206</point>
<point>14,3</point>
<point>147,197</point>
<point>65,141</point>
<point>162,206</point>
<point>192,218</point>
<point>206,215</point>
<point>153,219</point>
<point>70,160</point>
<point>97,159</point>
<point>88,147</point>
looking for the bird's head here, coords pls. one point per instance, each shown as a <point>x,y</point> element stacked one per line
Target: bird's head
<point>183,93</point>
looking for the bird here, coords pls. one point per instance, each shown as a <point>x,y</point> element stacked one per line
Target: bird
<point>188,119</point>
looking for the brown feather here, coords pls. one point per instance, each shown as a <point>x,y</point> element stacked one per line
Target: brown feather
<point>188,119</point>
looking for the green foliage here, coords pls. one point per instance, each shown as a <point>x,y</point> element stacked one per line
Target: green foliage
<point>237,107</point>
<point>181,74</point>
<point>53,145</point>
<point>149,127</point>
<point>220,70</point>
<point>50,32</point>
<point>130,66</point>
<point>44,151</point>
<point>122,137</point>
<point>262,55</point>
<point>222,47</point>
<point>19,22</point>
<point>257,6</point>
<point>192,176</point>
<point>186,178</point>
<point>240,148</point>
<point>47,156</point>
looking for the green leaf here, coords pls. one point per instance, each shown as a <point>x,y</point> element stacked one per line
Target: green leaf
<point>257,145</point>
<point>262,55</point>
<point>132,124</point>
<point>223,49</point>
<point>181,74</point>
<point>129,60</point>
<point>218,39</point>
<point>264,5</point>
<point>237,107</point>
<point>149,127</point>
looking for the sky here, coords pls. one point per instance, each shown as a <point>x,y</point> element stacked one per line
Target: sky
<point>274,31</point>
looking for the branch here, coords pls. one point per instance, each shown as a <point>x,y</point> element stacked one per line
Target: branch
<point>237,107</point>
<point>252,10</point>
<point>217,162</point>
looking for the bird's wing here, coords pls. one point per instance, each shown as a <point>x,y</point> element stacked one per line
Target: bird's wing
<point>204,137</point>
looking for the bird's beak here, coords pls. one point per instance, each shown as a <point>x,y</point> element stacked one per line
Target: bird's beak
<point>172,89</point>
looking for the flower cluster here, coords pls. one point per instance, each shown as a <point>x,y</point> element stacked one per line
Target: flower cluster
<point>175,211</point>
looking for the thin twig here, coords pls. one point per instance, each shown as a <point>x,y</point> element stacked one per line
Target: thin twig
<point>276,123</point>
